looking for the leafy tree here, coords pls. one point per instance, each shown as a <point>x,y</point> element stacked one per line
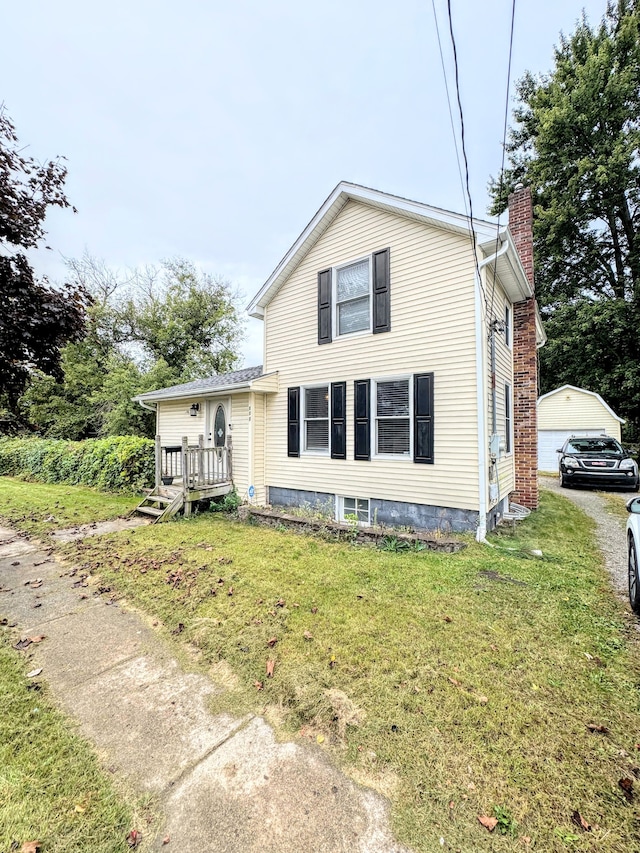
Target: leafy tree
<point>36,320</point>
<point>187,318</point>
<point>576,143</point>
<point>149,328</point>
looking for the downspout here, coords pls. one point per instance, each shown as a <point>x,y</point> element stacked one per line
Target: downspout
<point>483,445</point>
<point>148,408</point>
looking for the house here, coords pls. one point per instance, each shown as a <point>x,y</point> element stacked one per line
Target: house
<point>570,411</point>
<point>399,381</point>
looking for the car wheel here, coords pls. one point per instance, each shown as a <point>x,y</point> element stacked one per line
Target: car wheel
<point>634,580</point>
<point>563,482</point>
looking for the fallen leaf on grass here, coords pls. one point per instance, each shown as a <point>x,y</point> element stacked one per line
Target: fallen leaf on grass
<point>30,847</point>
<point>80,809</point>
<point>258,685</point>
<point>596,727</point>
<point>308,635</point>
<point>455,682</point>
<point>280,602</point>
<point>271,664</point>
<point>489,823</point>
<point>272,641</point>
<point>627,787</point>
<point>166,839</point>
<point>134,838</point>
<point>526,839</point>
<point>320,739</point>
<point>577,818</point>
<point>34,673</point>
<point>230,591</point>
<point>34,584</point>
<point>314,609</point>
<point>447,618</point>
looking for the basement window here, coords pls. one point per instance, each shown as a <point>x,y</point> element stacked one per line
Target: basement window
<point>353,509</point>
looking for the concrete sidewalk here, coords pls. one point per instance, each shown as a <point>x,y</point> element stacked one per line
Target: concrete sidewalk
<point>224,784</point>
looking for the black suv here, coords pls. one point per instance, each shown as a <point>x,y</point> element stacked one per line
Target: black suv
<point>597,460</point>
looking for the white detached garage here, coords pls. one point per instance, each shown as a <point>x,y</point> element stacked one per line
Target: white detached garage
<point>568,411</point>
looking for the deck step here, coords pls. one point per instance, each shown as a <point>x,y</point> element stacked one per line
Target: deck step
<point>150,510</point>
<point>160,499</point>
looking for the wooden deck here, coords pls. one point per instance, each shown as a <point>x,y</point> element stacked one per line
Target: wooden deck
<point>185,474</point>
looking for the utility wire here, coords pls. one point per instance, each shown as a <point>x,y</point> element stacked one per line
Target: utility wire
<point>504,144</point>
<point>466,186</point>
<point>446,87</point>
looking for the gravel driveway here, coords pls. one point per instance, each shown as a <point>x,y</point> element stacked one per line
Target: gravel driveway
<point>610,530</point>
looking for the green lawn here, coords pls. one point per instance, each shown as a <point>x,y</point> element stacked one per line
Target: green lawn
<point>38,508</point>
<point>51,788</point>
<point>458,685</point>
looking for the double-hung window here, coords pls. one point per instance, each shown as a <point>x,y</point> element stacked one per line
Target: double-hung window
<point>315,415</point>
<point>392,407</point>
<point>353,298</point>
<point>507,325</point>
<point>507,417</point>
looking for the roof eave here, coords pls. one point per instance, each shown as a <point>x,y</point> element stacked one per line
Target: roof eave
<point>343,193</point>
<point>196,392</point>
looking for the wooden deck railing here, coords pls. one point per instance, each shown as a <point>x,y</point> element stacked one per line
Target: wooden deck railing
<point>195,466</point>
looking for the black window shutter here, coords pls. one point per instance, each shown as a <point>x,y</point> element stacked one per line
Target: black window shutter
<point>293,422</point>
<point>338,420</point>
<point>423,418</point>
<point>381,292</point>
<point>362,428</point>
<point>324,307</point>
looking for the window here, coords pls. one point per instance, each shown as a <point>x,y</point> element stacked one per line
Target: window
<point>507,325</point>
<point>316,419</point>
<point>392,417</point>
<point>355,297</point>
<point>353,300</point>
<point>507,417</point>
<point>350,509</point>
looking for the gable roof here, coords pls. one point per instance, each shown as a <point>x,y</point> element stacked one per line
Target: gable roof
<point>221,382</point>
<point>508,264</point>
<point>581,391</point>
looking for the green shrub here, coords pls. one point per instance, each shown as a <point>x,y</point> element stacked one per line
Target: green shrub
<point>118,463</point>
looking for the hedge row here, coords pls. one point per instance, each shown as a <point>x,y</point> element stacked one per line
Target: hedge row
<point>117,463</point>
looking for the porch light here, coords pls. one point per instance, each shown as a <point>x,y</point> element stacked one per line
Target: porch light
<point>195,408</point>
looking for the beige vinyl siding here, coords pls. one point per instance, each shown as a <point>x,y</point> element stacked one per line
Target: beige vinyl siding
<point>432,330</point>
<point>575,409</point>
<point>240,435</point>
<point>258,409</point>
<point>505,467</point>
<point>173,421</point>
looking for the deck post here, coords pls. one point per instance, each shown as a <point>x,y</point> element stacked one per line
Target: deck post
<point>158,464</point>
<point>201,477</point>
<point>186,473</point>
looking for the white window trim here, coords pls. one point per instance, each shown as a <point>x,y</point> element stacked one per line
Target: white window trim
<point>509,433</point>
<point>407,457</point>
<point>508,325</point>
<point>303,442</point>
<point>334,298</point>
<point>340,509</point>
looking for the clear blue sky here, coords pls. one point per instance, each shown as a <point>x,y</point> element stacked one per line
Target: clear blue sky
<point>215,130</point>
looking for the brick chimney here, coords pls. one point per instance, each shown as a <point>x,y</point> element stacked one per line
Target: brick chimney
<point>525,359</point>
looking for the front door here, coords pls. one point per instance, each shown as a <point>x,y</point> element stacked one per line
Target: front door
<point>218,422</point>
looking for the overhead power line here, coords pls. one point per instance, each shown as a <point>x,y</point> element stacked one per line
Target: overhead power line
<point>504,148</point>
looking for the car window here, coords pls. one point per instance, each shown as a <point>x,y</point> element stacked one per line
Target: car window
<point>593,445</point>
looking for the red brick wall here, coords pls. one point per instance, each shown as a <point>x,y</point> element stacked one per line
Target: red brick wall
<point>525,359</point>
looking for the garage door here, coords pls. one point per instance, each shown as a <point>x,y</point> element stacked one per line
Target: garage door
<point>549,440</point>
